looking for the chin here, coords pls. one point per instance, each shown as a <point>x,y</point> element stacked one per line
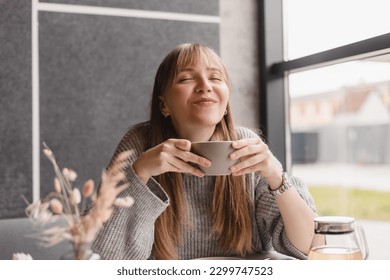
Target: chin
<point>207,119</point>
<point>209,122</point>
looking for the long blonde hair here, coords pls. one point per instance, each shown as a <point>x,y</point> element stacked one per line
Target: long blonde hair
<point>231,200</point>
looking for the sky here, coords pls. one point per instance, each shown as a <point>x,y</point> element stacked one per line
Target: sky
<point>317,25</point>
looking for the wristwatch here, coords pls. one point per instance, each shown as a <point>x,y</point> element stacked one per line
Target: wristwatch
<point>286,185</point>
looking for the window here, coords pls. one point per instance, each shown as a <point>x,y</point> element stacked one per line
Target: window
<point>315,26</point>
<point>330,82</point>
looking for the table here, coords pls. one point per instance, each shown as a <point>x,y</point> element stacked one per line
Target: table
<point>271,255</point>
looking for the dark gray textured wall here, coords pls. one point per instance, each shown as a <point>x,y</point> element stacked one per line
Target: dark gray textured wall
<point>96,75</point>
<point>15,107</point>
<point>96,79</point>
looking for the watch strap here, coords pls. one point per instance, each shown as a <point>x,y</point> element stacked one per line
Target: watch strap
<point>286,185</point>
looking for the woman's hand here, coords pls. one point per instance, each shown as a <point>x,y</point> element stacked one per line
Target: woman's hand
<point>255,155</point>
<point>173,155</point>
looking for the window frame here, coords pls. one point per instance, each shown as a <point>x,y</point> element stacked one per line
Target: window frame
<point>274,70</point>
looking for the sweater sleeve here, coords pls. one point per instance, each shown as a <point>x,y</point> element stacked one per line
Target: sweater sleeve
<point>129,233</point>
<point>268,218</point>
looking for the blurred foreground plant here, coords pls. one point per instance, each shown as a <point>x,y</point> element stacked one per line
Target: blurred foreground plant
<point>68,202</point>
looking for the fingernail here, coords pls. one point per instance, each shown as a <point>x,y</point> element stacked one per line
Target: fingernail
<point>233,169</point>
<point>233,156</point>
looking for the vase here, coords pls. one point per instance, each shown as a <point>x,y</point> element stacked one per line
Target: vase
<point>81,251</point>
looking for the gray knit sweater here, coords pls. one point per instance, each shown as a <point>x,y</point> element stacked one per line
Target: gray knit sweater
<point>129,234</point>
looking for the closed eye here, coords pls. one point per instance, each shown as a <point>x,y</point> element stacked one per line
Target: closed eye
<point>216,78</point>
<point>184,79</point>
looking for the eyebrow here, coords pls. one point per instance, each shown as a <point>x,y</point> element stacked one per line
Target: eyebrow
<point>189,69</point>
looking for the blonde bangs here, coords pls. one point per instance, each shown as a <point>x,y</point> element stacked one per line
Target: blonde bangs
<point>189,54</point>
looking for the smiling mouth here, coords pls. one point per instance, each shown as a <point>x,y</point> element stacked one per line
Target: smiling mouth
<point>205,101</point>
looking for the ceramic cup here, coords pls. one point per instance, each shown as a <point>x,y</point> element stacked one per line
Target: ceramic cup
<point>218,153</point>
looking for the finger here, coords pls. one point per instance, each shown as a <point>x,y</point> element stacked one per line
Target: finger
<point>238,144</point>
<point>187,156</point>
<point>181,144</point>
<point>182,151</point>
<point>247,170</point>
<point>196,171</point>
<point>248,150</point>
<point>248,163</point>
<point>184,147</point>
<point>183,167</point>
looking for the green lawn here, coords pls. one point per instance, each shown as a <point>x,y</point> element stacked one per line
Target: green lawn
<point>359,203</point>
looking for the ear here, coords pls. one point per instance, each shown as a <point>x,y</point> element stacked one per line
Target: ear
<point>163,107</point>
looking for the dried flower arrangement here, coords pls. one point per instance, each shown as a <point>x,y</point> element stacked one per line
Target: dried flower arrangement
<point>21,257</point>
<point>69,203</point>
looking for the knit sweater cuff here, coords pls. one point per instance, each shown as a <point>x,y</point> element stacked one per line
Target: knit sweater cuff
<point>152,191</point>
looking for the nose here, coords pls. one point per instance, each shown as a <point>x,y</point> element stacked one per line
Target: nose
<point>203,85</point>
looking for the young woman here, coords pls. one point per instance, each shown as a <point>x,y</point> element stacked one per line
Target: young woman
<point>181,214</point>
